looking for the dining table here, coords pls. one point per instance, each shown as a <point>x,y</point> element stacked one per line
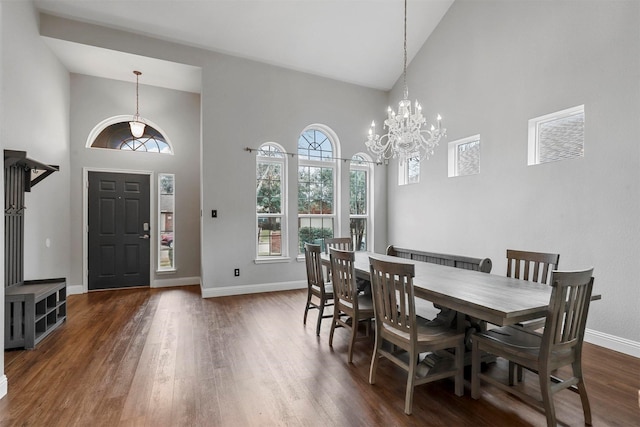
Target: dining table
<point>496,299</point>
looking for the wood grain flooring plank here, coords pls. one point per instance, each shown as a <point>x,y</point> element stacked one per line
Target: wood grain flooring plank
<point>156,357</point>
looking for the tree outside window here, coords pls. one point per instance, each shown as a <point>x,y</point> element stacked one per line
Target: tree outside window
<point>359,174</point>
<point>270,200</point>
<point>316,188</point>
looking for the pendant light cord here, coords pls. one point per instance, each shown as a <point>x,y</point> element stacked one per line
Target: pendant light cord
<point>137,73</point>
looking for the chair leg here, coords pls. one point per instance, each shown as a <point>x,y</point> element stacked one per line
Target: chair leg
<point>354,332</point>
<point>475,370</point>
<point>306,308</point>
<point>586,407</point>
<point>320,314</point>
<point>520,372</point>
<point>374,360</point>
<point>411,379</point>
<point>334,320</point>
<point>547,398</point>
<point>459,380</point>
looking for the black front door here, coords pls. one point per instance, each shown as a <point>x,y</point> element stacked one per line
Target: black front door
<point>119,231</point>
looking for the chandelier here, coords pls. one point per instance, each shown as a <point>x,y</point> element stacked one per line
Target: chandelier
<point>406,138</point>
<point>137,125</point>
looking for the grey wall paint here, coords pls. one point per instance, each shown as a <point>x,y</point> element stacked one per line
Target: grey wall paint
<point>488,68</point>
<point>34,94</point>
<point>177,114</point>
<point>244,104</point>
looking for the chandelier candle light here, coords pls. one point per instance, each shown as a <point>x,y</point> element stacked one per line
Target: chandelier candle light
<point>137,125</point>
<point>406,138</point>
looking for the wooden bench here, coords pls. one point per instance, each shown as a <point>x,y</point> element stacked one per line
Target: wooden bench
<point>478,264</point>
<point>442,315</point>
<point>33,310</point>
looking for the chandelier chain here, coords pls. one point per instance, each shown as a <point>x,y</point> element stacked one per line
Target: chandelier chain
<point>404,72</point>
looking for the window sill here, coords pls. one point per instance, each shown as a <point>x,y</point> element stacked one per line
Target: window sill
<point>169,271</point>
<point>271,260</point>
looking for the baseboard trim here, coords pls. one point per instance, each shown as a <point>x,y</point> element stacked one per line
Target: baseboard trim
<point>612,342</point>
<point>4,386</point>
<point>74,290</point>
<point>251,289</point>
<point>178,281</point>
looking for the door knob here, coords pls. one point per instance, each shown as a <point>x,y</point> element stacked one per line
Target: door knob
<point>146,236</point>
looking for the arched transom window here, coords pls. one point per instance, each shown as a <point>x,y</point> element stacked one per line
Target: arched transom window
<point>316,186</point>
<point>117,136</point>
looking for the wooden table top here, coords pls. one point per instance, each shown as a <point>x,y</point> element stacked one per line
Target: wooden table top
<point>497,299</point>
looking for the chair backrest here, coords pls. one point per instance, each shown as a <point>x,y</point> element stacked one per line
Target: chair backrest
<point>567,313</point>
<point>393,297</point>
<point>315,277</point>
<point>343,276</point>
<point>342,243</point>
<point>531,266</point>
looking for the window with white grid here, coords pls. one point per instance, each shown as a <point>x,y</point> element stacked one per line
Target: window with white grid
<point>464,156</point>
<point>557,136</point>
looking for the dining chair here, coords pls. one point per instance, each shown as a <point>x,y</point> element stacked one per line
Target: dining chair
<point>316,286</point>
<point>559,345</point>
<point>347,300</point>
<point>531,266</point>
<point>534,267</point>
<point>396,323</point>
<point>342,243</point>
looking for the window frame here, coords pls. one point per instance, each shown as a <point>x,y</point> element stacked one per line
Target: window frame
<point>533,149</point>
<point>366,165</point>
<point>159,267</point>
<point>322,163</point>
<point>110,121</point>
<point>404,168</point>
<point>283,162</point>
<point>453,155</point>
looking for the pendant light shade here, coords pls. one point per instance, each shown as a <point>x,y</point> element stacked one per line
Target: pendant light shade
<point>137,125</point>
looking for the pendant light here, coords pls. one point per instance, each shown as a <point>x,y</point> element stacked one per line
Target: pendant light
<point>137,125</point>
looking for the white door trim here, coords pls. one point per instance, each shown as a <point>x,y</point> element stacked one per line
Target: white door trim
<point>85,220</point>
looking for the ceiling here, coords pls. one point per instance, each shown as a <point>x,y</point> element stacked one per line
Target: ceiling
<point>355,41</point>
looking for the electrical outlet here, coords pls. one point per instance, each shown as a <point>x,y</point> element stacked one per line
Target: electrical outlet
<point>236,272</point>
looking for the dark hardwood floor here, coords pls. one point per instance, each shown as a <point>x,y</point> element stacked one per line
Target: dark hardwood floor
<point>166,357</point>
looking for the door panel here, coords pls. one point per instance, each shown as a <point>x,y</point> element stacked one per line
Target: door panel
<point>119,247</point>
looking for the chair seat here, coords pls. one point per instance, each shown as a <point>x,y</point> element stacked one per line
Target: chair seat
<point>426,333</point>
<point>525,344</point>
<point>365,304</point>
<point>328,290</point>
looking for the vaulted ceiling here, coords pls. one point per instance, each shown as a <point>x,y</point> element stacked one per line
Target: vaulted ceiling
<point>356,41</point>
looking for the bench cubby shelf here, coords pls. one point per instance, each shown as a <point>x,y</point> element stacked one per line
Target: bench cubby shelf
<point>33,310</point>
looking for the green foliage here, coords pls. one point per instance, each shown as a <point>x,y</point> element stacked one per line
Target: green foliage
<point>313,235</point>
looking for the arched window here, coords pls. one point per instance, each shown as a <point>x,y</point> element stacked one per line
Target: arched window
<point>271,202</point>
<point>317,185</point>
<point>360,211</point>
<point>115,134</point>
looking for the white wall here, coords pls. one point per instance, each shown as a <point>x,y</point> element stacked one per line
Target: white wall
<point>35,118</point>
<point>177,115</point>
<point>244,104</point>
<point>488,68</point>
